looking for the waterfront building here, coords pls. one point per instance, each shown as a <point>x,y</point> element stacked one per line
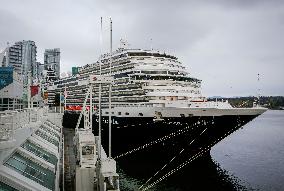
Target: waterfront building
<point>31,150</point>
<point>40,68</point>
<point>52,63</point>
<point>22,57</point>
<point>29,51</point>
<point>4,57</point>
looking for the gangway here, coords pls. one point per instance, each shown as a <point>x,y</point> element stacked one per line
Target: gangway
<point>94,170</point>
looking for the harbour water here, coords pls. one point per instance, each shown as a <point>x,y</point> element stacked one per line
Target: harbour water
<point>252,158</point>
<point>255,154</point>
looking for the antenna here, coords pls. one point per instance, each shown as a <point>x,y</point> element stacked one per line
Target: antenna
<point>110,36</point>
<point>258,96</point>
<point>151,43</point>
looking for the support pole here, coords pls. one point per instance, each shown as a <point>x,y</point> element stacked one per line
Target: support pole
<point>60,102</point>
<point>109,98</point>
<point>91,107</point>
<point>63,173</point>
<point>65,97</point>
<point>29,90</point>
<point>100,93</point>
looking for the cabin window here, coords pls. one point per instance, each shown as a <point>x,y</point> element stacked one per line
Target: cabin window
<point>140,114</point>
<point>106,112</point>
<point>182,115</point>
<point>126,113</point>
<point>119,113</point>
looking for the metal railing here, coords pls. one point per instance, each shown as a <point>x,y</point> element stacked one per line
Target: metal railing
<point>13,120</point>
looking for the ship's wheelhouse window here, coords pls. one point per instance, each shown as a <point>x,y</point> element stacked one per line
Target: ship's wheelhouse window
<point>126,113</point>
<point>140,114</point>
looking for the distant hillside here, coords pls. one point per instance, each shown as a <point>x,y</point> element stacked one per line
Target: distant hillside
<point>271,102</point>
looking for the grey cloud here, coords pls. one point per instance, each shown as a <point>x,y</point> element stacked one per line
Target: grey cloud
<point>225,43</point>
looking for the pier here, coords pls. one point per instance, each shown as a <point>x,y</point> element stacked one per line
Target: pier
<point>37,153</point>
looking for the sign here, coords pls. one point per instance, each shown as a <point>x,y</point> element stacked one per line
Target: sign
<point>75,71</point>
<point>97,79</point>
<point>6,76</point>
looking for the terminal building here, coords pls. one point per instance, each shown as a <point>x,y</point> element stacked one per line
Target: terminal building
<point>30,150</point>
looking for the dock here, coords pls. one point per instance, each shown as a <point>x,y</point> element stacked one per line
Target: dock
<point>37,153</point>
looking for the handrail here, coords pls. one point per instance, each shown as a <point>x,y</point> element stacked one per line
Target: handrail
<point>13,120</point>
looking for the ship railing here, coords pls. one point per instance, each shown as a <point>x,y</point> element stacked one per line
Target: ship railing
<point>133,105</point>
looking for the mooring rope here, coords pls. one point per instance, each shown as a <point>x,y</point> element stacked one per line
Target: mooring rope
<point>164,138</point>
<point>197,155</point>
<point>181,151</point>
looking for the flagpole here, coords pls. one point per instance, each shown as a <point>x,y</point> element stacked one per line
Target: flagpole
<point>29,90</point>
<point>60,102</point>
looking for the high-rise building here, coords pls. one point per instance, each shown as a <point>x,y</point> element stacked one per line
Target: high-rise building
<point>29,59</point>
<point>52,61</point>
<point>4,57</point>
<point>22,57</point>
<point>40,68</point>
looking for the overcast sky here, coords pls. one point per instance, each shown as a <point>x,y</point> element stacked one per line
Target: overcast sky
<point>225,43</point>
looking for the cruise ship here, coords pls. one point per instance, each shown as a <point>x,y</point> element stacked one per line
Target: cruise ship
<point>158,113</point>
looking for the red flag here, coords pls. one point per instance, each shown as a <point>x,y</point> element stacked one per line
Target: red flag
<point>34,90</point>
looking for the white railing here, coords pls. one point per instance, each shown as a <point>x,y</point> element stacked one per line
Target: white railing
<point>13,120</point>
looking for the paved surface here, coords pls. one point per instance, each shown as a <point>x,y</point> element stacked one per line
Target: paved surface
<point>69,160</point>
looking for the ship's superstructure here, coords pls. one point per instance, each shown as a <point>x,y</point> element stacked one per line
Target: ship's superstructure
<point>141,77</point>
